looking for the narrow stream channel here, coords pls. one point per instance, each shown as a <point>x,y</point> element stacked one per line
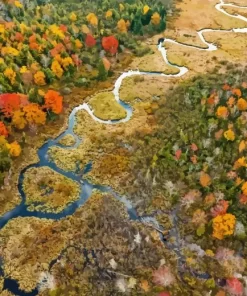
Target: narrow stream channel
<point>87,187</point>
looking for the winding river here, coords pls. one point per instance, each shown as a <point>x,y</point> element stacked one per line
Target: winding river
<point>87,187</point>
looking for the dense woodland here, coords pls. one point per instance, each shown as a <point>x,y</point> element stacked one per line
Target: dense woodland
<point>195,163</point>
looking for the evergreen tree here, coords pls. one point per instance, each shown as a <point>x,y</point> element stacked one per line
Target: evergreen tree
<point>130,1</point>
<point>5,161</point>
<point>105,5</point>
<point>115,14</point>
<point>162,12</point>
<point>102,76</point>
<point>136,26</point>
<point>42,2</point>
<point>162,25</point>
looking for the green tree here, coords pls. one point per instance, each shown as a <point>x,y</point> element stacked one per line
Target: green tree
<point>5,160</point>
<point>102,76</point>
<point>136,26</point>
<point>162,25</point>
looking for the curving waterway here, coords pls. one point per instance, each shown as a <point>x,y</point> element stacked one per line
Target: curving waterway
<point>87,187</point>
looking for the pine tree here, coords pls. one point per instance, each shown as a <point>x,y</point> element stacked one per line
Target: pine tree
<point>136,26</point>
<point>5,161</point>
<point>162,25</point>
<point>102,76</point>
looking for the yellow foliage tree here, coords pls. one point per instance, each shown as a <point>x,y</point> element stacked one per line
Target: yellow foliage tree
<point>85,29</point>
<point>108,14</point>
<point>3,142</point>
<point>57,69</point>
<point>34,114</point>
<point>92,19</point>
<point>156,18</point>
<point>244,188</point>
<point>223,225</point>
<point>78,44</point>
<point>10,74</point>
<point>56,31</point>
<point>121,25</point>
<point>14,149</point>
<point>18,4</point>
<point>146,9</point>
<point>73,17</point>
<point>229,135</point>
<point>121,7</point>
<point>242,146</point>
<point>66,62</point>
<point>39,78</point>
<point>19,120</point>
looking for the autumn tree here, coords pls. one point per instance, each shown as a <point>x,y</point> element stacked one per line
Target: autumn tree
<point>34,114</point>
<point>18,119</point>
<point>110,44</point>
<point>92,19</point>
<point>156,19</point>
<point>9,103</point>
<point>3,130</point>
<point>90,41</point>
<point>14,149</point>
<point>53,102</point>
<point>106,63</point>
<point>122,27</point>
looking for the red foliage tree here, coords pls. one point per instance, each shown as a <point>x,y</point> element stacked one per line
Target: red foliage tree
<point>3,130</point>
<point>90,41</point>
<point>32,38</point>
<point>63,28</point>
<point>57,49</point>
<point>33,42</point>
<point>234,287</point>
<point>76,59</point>
<point>220,208</point>
<point>19,37</point>
<point>9,103</point>
<point>110,44</point>
<point>23,100</point>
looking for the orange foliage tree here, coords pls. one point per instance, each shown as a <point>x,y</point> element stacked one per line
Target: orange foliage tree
<point>205,179</point>
<point>34,114</point>
<point>53,102</point>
